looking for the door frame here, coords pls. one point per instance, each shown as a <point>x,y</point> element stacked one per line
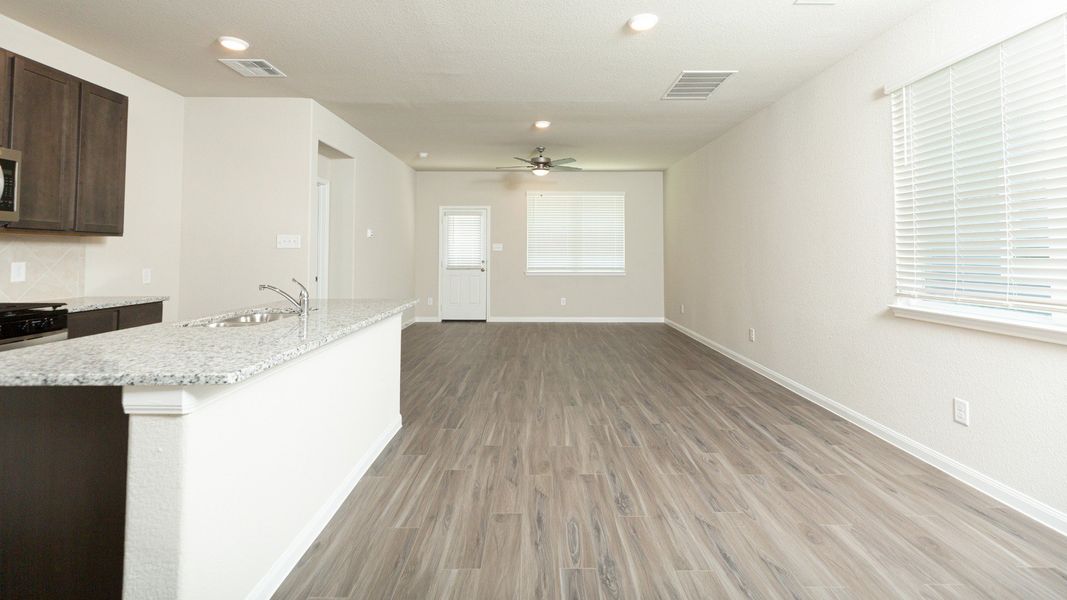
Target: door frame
<point>322,242</point>
<point>441,236</point>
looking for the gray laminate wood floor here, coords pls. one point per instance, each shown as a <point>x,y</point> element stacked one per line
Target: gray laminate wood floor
<point>626,461</point>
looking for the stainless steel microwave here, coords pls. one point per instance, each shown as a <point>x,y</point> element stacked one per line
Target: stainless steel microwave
<point>9,185</point>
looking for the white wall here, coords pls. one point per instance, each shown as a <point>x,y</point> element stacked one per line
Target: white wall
<point>250,171</point>
<point>112,266</point>
<point>785,224</point>
<point>638,295</point>
<point>247,177</point>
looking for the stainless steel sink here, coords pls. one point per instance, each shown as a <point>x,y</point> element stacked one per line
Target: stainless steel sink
<point>256,318</point>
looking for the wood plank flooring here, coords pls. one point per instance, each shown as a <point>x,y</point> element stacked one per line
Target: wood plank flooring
<point>627,461</point>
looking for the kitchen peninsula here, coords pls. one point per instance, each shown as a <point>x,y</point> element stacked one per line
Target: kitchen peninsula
<point>242,441</point>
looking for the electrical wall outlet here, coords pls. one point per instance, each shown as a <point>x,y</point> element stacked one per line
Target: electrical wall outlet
<point>961,411</point>
<point>370,232</point>
<point>18,272</point>
<point>429,301</point>
<point>288,240</point>
<point>563,302</point>
<point>683,309</point>
<point>751,335</point>
<point>498,247</point>
<point>146,275</point>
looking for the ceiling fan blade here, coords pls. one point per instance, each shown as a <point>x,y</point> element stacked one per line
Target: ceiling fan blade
<point>518,168</point>
<point>564,161</point>
<point>555,168</point>
<point>525,160</point>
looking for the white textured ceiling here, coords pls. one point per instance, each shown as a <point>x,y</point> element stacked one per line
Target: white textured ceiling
<point>464,79</point>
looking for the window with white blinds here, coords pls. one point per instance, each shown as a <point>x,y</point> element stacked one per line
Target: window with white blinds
<point>980,165</point>
<point>575,232</point>
<point>465,243</point>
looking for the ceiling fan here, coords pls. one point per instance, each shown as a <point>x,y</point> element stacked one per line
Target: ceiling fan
<point>540,165</point>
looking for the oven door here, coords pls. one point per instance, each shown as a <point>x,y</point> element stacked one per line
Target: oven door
<point>9,184</point>
<point>54,336</point>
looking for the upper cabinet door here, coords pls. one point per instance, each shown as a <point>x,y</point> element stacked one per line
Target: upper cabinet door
<point>6,59</point>
<point>101,161</point>
<point>44,126</point>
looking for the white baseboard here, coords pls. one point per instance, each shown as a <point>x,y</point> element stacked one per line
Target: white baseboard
<point>407,324</point>
<point>307,536</point>
<point>1031,507</point>
<point>556,320</point>
<point>575,319</point>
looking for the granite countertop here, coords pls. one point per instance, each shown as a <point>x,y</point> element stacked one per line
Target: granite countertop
<point>76,305</point>
<point>184,354</point>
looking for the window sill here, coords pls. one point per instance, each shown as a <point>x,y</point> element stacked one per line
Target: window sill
<point>975,319</point>
<point>574,274</point>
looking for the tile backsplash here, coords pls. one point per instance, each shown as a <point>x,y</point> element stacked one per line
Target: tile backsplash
<point>55,268</point>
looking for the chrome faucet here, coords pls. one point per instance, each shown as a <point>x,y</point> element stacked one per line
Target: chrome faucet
<point>300,305</point>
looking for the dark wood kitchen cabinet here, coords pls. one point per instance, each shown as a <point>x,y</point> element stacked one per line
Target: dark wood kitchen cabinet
<point>44,127</point>
<point>92,322</point>
<point>6,60</point>
<point>72,135</point>
<point>101,161</point>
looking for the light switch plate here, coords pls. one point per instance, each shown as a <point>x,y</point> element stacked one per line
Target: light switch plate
<point>498,247</point>
<point>146,275</point>
<point>961,411</point>
<point>18,272</point>
<point>288,240</point>
<point>370,232</point>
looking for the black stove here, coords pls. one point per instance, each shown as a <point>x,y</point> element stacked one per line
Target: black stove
<point>25,323</point>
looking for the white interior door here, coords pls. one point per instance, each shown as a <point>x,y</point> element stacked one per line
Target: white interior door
<point>464,264</point>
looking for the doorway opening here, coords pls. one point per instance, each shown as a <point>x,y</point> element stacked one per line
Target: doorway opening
<point>331,247</point>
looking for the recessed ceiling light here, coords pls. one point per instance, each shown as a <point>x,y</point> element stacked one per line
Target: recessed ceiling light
<point>540,171</point>
<point>542,124</point>
<point>643,21</point>
<point>424,155</point>
<point>232,43</point>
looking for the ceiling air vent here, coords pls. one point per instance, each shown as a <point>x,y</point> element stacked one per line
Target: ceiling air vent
<point>696,85</point>
<point>252,67</point>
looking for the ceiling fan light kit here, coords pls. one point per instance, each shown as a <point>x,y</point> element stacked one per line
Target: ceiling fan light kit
<point>541,165</point>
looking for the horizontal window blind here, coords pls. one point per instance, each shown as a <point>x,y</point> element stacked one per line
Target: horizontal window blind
<point>465,247</point>
<point>575,232</point>
<point>980,166</point>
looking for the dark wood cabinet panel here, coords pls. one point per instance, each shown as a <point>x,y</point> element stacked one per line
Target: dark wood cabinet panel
<point>140,314</point>
<point>101,161</point>
<point>63,497</point>
<point>6,59</point>
<point>92,322</point>
<point>44,126</point>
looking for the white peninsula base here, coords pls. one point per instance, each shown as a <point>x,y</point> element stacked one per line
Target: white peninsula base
<point>228,485</point>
